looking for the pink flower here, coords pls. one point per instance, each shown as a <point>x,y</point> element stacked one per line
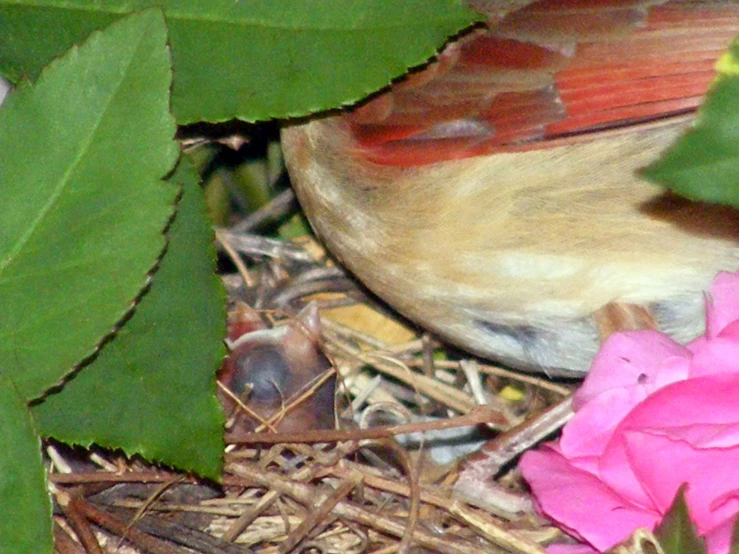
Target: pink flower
<point>650,416</point>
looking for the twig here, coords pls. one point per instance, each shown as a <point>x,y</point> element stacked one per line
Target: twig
<point>223,240</point>
<point>76,518</point>
<point>243,521</point>
<point>262,247</point>
<point>141,540</point>
<point>485,464</point>
<point>444,394</point>
<point>279,206</point>
<point>507,373</point>
<point>63,543</point>
<point>320,515</point>
<point>477,416</point>
<point>306,496</point>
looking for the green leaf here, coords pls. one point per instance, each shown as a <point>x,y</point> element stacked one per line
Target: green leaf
<point>82,204</point>
<point>676,533</point>
<point>25,526</point>
<point>704,163</point>
<point>734,545</point>
<point>295,227</point>
<point>251,60</point>
<point>151,391</point>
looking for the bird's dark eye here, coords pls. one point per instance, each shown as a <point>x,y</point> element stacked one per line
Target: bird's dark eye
<point>264,369</point>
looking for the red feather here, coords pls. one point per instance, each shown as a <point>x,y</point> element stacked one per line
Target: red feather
<point>550,69</point>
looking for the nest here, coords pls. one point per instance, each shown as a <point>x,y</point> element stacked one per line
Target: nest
<point>421,456</point>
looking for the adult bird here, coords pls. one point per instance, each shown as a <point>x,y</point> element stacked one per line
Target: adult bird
<point>492,195</point>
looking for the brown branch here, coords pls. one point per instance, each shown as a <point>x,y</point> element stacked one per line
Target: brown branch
<point>477,416</point>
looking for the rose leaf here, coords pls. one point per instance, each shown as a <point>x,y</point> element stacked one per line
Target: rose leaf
<point>83,204</point>
<point>704,163</point>
<point>26,523</point>
<point>151,391</point>
<point>676,533</point>
<point>251,60</point>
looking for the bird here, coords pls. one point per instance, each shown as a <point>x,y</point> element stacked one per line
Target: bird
<point>276,377</point>
<point>492,195</point>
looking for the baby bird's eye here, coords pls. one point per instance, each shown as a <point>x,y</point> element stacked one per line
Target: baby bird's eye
<point>264,370</point>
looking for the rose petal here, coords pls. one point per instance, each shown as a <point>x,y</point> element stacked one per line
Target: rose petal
<point>707,400</point>
<point>580,502</point>
<point>730,331</point>
<point>616,385</point>
<point>722,306</point>
<point>588,432</point>
<point>716,355</point>
<point>635,358</point>
<point>697,343</point>
<point>718,539</point>
<point>711,399</point>
<point>703,435</point>
<point>662,465</point>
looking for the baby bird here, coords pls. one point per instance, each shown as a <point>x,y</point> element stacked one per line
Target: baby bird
<point>492,196</point>
<point>276,377</point>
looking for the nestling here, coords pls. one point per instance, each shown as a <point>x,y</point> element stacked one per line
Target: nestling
<point>492,196</point>
<point>276,377</point>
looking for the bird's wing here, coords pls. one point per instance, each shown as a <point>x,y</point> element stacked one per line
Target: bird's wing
<point>510,254</point>
<point>544,70</point>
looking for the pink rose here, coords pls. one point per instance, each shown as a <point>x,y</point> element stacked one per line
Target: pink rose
<point>650,416</point>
